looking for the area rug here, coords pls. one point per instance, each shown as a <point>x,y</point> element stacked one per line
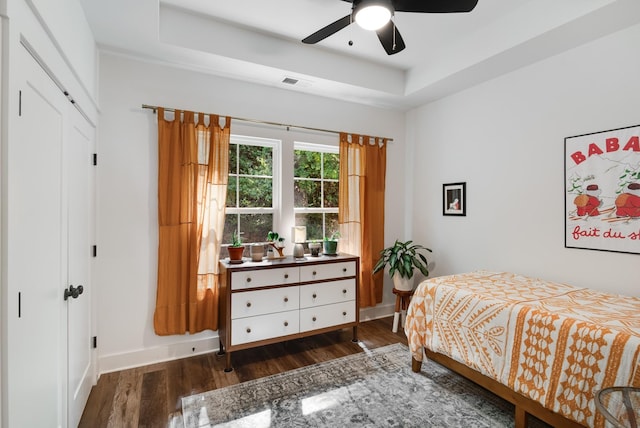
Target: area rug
<point>374,388</point>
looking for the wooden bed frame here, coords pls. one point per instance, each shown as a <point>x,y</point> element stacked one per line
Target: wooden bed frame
<point>524,405</point>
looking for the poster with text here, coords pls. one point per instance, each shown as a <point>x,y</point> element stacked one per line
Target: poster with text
<point>602,190</point>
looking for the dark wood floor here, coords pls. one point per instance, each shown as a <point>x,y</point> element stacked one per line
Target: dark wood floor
<point>150,396</point>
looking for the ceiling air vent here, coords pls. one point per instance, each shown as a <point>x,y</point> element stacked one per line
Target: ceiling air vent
<point>290,81</point>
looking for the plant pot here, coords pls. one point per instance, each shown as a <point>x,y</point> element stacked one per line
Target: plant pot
<point>314,248</point>
<point>330,247</point>
<point>235,253</point>
<point>257,251</point>
<point>402,283</point>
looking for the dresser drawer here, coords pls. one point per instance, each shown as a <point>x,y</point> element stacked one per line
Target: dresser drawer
<point>323,272</point>
<point>260,302</point>
<point>325,293</point>
<point>253,329</point>
<point>241,280</point>
<point>327,316</point>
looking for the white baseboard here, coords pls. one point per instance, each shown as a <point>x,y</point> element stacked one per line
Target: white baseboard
<point>158,354</point>
<point>183,349</point>
<point>376,312</point>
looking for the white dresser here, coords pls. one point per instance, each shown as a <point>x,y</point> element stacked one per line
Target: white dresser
<point>277,300</point>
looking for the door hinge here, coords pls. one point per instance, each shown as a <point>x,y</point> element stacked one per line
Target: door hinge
<point>94,342</point>
<point>95,159</point>
<point>19,103</point>
<point>95,251</point>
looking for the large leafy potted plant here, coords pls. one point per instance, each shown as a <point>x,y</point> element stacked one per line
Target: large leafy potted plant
<point>236,248</point>
<point>403,258</point>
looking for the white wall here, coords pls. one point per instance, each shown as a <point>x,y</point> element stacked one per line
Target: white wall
<point>125,273</point>
<point>505,139</point>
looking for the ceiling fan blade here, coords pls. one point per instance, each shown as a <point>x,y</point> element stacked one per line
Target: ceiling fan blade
<point>330,29</point>
<point>392,44</point>
<point>434,6</point>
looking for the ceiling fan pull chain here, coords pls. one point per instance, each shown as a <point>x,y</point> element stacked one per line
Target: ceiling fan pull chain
<point>394,34</point>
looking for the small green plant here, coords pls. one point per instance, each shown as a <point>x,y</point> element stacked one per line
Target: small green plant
<point>236,240</point>
<point>403,258</point>
<point>273,236</point>
<point>334,236</point>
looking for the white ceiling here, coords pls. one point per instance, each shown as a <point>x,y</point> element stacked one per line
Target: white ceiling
<point>260,41</point>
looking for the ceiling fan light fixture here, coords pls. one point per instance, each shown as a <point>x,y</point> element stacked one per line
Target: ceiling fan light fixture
<point>372,15</point>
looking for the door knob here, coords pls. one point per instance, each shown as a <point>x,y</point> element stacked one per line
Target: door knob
<point>73,292</point>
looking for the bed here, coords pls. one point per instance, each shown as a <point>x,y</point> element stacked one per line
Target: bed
<point>546,347</point>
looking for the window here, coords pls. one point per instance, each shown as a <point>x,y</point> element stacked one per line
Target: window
<point>276,182</point>
<point>315,182</point>
<point>253,189</point>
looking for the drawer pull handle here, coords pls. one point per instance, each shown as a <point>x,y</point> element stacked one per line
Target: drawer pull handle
<point>314,318</point>
<point>249,279</point>
<point>286,324</point>
<point>344,291</point>
<point>286,299</point>
<point>248,330</point>
<point>314,295</point>
<point>344,269</point>
<point>314,272</point>
<point>344,313</point>
<point>286,275</point>
<point>248,304</point>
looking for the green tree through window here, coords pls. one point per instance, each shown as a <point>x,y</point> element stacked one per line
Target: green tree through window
<point>250,192</point>
<point>316,173</point>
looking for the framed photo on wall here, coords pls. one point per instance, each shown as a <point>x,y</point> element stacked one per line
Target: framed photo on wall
<point>454,199</point>
<point>602,190</point>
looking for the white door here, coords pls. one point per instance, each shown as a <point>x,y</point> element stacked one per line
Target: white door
<point>49,250</point>
<point>78,170</point>
<point>36,254</point>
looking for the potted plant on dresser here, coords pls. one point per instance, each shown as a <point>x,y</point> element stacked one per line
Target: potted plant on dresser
<point>275,241</point>
<point>403,258</point>
<point>236,249</point>
<point>330,244</point>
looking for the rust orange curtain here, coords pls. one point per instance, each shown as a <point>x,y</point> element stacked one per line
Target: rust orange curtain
<point>192,181</point>
<point>363,164</point>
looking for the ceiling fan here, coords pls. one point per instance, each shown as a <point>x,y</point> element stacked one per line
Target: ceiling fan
<point>376,15</point>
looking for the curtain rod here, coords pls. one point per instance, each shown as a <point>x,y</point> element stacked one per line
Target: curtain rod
<point>262,122</point>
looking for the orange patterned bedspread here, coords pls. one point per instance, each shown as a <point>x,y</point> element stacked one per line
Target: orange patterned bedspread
<point>551,342</point>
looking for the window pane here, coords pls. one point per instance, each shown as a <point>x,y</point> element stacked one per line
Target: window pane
<point>331,189</point>
<point>331,224</point>
<point>313,221</point>
<point>255,227</point>
<point>306,164</point>
<point>316,191</point>
<point>255,160</point>
<point>230,225</point>
<point>233,158</point>
<point>256,192</point>
<point>331,166</point>
<point>231,192</point>
<point>307,193</point>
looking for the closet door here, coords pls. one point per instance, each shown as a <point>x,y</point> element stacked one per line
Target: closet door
<point>79,144</point>
<point>36,253</point>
